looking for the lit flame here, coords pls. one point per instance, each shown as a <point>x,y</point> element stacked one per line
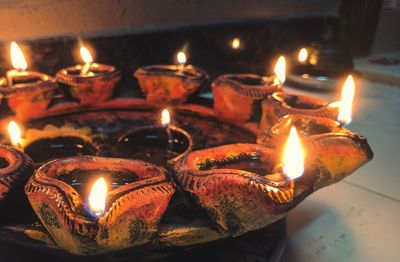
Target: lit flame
<point>346,102</point>
<point>235,43</point>
<point>17,57</point>
<point>303,55</point>
<point>97,197</point>
<point>15,133</point>
<point>86,56</point>
<point>165,117</point>
<point>293,156</point>
<point>181,57</point>
<point>280,69</point>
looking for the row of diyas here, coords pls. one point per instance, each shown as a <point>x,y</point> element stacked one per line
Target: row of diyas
<point>92,205</point>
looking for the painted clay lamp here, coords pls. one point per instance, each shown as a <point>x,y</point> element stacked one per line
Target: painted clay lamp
<point>160,144</point>
<point>339,150</point>
<point>241,186</point>
<point>92,205</point>
<point>91,83</point>
<point>280,104</point>
<point>15,169</point>
<point>238,97</point>
<point>28,93</point>
<point>170,84</point>
<point>52,142</point>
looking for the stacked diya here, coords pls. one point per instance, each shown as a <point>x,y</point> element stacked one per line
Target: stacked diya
<point>28,93</point>
<point>159,192</point>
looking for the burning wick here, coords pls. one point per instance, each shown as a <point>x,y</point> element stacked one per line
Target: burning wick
<point>181,58</point>
<point>165,122</point>
<point>19,63</point>
<point>303,55</point>
<point>280,71</point>
<point>97,197</point>
<point>235,43</point>
<point>15,134</point>
<point>346,102</point>
<point>88,59</point>
<point>293,157</point>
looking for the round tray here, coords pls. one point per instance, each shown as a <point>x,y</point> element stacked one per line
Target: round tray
<point>113,122</point>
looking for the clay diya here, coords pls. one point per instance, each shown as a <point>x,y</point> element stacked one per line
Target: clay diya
<point>240,186</point>
<point>160,144</point>
<point>51,142</point>
<point>280,104</point>
<point>28,93</point>
<point>125,216</point>
<point>238,97</point>
<point>338,150</point>
<point>91,83</point>
<point>15,169</point>
<point>170,84</point>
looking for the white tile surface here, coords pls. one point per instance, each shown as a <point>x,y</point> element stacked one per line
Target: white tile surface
<point>344,223</point>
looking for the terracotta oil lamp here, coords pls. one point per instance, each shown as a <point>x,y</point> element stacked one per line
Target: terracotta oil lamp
<point>243,187</point>
<point>93,205</point>
<point>15,169</point>
<point>28,93</point>
<point>160,144</point>
<point>170,84</point>
<point>238,97</point>
<point>52,142</point>
<point>339,150</point>
<point>91,83</point>
<point>280,104</point>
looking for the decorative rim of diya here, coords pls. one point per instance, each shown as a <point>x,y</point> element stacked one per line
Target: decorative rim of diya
<point>186,72</point>
<point>251,85</point>
<point>71,75</point>
<point>17,170</point>
<point>300,122</point>
<point>45,83</point>
<point>200,164</point>
<point>69,208</point>
<point>316,104</point>
<point>172,127</point>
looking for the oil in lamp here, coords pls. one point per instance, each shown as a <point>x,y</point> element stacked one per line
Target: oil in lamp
<point>170,84</point>
<point>280,104</point>
<point>93,205</point>
<point>90,83</point>
<point>52,142</point>
<point>28,93</point>
<point>238,97</point>
<point>159,144</point>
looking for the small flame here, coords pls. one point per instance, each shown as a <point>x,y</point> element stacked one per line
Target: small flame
<point>293,156</point>
<point>280,69</point>
<point>303,55</point>
<point>86,56</point>
<point>165,117</point>
<point>181,57</point>
<point>97,197</point>
<point>17,57</point>
<point>235,43</point>
<point>346,102</point>
<point>15,133</point>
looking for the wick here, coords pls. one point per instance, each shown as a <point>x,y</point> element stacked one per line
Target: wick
<point>85,69</point>
<point>170,141</point>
